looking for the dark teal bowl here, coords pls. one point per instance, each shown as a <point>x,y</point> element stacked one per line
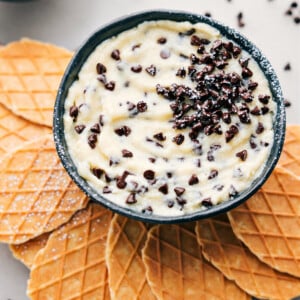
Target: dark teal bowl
<point>126,23</point>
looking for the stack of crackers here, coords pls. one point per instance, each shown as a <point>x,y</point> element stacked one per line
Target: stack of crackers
<point>76,249</point>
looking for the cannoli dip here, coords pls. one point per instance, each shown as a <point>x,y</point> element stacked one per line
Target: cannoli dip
<point>169,118</point>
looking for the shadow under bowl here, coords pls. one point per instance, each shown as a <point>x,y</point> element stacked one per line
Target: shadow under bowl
<point>71,74</point>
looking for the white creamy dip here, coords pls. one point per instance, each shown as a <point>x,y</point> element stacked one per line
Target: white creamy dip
<point>123,118</point>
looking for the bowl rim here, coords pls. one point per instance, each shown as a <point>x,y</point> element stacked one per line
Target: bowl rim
<point>130,21</point>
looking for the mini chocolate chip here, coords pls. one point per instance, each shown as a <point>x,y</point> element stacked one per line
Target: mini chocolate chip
<point>101,122</point>
<point>188,32</point>
<point>142,106</point>
<point>170,203</point>
<point>287,103</point>
<point>253,145</point>
<point>194,59</point>
<point>260,128</point>
<point>213,173</point>
<point>126,84</point>
<point>110,85</point>
<point>106,190</point>
<point>210,156</point>
<point>159,136</point>
<point>73,112</point>
<point>96,128</point>
<point>135,46</point>
<point>164,189</point>
<point>152,159</point>
<point>181,72</point>
<point>287,67</point>
<point>149,174</point>
<point>179,190</point>
<point>131,106</point>
<point>297,20</point>
<point>124,130</point>
<point>92,140</point>
<point>242,155</point>
<point>193,180</point>
<point>195,40</point>
<point>107,178</point>
<point>264,99</point>
<point>236,51</point>
<point>115,54</point>
<point>264,110</point>
<point>178,139</point>
<point>294,5</point>
<point>100,68</point>
<point>97,172</point>
<point>240,19</point>
<point>127,153</point>
<point>121,183</point>
<point>137,69</point>
<point>206,202</point>
<point>102,78</point>
<point>79,128</point>
<point>255,111</point>
<point>165,53</point>
<point>252,85</point>
<point>246,72</point>
<point>244,62</point>
<point>161,40</point>
<point>131,199</point>
<point>148,210</point>
<point>151,70</point>
<point>226,117</point>
<point>180,201</point>
<point>218,187</point>
<point>232,191</point>
<point>207,14</point>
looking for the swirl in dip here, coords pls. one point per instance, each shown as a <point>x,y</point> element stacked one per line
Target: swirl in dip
<point>168,118</point>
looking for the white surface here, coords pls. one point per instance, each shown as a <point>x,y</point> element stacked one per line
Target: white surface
<point>69,22</point>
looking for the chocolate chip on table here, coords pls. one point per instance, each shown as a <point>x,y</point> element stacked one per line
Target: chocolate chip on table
<point>149,174</point>
<point>242,155</point>
<point>289,12</point>
<point>141,106</point>
<point>213,173</point>
<point>137,68</point>
<point>151,70</point>
<point>116,54</point>
<point>79,128</point>
<point>161,40</point>
<point>92,140</point>
<point>178,139</point>
<point>95,128</point>
<point>260,128</point>
<point>106,190</point>
<point>207,14</point>
<point>164,189</point>
<point>127,153</point>
<point>193,180</point>
<point>159,136</point>
<point>179,190</point>
<point>206,202</point>
<point>131,199</point>
<point>240,17</point>
<point>287,67</point>
<point>124,130</point>
<point>294,4</point>
<point>297,20</point>
<point>287,103</point>
<point>73,112</point>
<point>100,68</point>
<point>97,172</point>
<point>165,53</point>
<point>110,85</point>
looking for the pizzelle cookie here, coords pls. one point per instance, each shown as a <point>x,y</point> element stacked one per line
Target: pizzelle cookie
<point>30,73</point>
<point>269,222</point>
<point>27,251</point>
<point>14,131</point>
<point>36,193</point>
<point>176,269</point>
<point>290,156</point>
<point>72,265</point>
<point>227,253</point>
<point>126,270</point>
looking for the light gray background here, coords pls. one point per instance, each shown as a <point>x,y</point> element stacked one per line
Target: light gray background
<point>69,22</point>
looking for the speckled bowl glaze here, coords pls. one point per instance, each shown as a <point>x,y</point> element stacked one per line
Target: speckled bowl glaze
<point>131,21</point>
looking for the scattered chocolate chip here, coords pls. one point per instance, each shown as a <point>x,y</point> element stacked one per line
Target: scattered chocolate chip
<point>148,210</point>
<point>294,5</point>
<point>260,128</point>
<point>195,40</point>
<point>264,99</point>
<point>180,201</point>
<point>137,69</point>
<point>207,14</point>
<point>151,70</point>
<point>193,180</point>
<point>159,136</point>
<point>131,199</point>
<point>106,190</point>
<point>162,40</point>
<point>73,112</point>
<point>179,191</point>
<point>131,106</point>
<point>287,103</point>
<point>287,67</point>
<point>79,128</point>
<point>142,106</point>
<point>213,173</point>
<point>102,78</point>
<point>232,191</point>
<point>121,183</point>
<point>152,159</point>
<point>210,156</point>
<point>246,72</point>
<point>92,140</point>
<point>164,189</point>
<point>252,85</point>
<point>218,187</point>
<point>165,53</point>
<point>96,128</point>
<point>236,51</point>
<point>242,155</point>
<point>127,153</point>
<point>100,68</point>
<point>178,139</point>
<point>188,32</point>
<point>240,19</point>
<point>136,46</point>
<point>255,111</point>
<point>149,174</point>
<point>124,130</point>
<point>252,143</point>
<point>229,134</point>
<point>265,110</point>
<point>244,62</point>
<point>206,202</point>
<point>115,54</point>
<point>97,172</point>
<point>181,72</point>
<point>126,84</point>
<point>110,85</point>
<point>226,117</point>
<point>170,203</point>
<point>297,20</point>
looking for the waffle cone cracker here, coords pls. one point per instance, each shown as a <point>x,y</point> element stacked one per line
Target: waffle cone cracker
<point>72,265</point>
<point>30,73</point>
<point>269,222</point>
<point>227,253</point>
<point>14,131</point>
<point>126,270</point>
<point>27,251</point>
<point>290,156</point>
<point>36,193</point>
<point>176,269</point>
